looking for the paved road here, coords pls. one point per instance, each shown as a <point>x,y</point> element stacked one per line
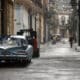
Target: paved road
<point>57,62</point>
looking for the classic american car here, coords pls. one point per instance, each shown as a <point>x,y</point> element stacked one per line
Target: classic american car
<point>33,40</point>
<point>16,48</point>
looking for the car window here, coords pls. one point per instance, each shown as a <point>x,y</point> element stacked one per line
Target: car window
<point>23,42</point>
<point>13,41</point>
<point>20,42</point>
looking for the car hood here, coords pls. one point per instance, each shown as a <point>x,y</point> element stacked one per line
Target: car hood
<point>10,49</point>
<point>7,46</point>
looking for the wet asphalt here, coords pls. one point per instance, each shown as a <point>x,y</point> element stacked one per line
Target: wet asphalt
<point>56,62</point>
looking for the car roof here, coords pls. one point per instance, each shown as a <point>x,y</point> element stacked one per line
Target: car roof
<point>18,36</point>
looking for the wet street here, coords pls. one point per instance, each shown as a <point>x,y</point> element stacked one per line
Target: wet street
<point>57,62</point>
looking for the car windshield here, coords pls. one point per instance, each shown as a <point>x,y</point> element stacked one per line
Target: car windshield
<point>14,41</point>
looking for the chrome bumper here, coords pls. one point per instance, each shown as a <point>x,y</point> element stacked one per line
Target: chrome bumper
<point>13,57</point>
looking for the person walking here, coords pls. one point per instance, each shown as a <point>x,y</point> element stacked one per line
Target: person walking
<point>71,41</point>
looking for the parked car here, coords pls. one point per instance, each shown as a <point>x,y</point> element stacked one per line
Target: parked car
<point>16,48</point>
<point>31,36</point>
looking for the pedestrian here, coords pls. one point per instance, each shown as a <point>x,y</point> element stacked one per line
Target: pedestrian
<point>71,41</point>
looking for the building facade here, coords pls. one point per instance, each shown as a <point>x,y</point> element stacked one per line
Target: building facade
<point>30,15</point>
<point>21,15</point>
<point>45,27</point>
<point>6,17</point>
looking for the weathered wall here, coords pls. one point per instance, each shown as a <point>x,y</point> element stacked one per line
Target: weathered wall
<point>10,18</point>
<point>21,18</point>
<point>7,17</point>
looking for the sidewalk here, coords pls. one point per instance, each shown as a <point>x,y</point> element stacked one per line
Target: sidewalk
<point>44,46</point>
<point>59,50</point>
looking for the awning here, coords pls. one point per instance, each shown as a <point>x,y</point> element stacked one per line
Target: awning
<point>29,4</point>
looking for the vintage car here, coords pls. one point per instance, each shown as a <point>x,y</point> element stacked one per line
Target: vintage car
<point>16,48</point>
<point>31,36</point>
